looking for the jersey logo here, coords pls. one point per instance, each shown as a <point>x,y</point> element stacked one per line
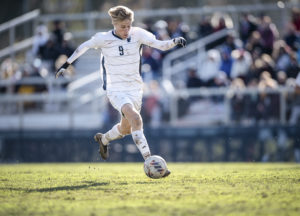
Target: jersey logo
<point>109,42</point>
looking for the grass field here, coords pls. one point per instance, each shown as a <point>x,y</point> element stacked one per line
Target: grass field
<point>124,189</point>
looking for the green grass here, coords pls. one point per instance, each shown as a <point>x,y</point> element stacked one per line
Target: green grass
<point>124,189</point>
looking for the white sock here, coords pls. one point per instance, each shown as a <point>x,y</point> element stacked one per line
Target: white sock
<point>141,142</point>
<point>112,134</point>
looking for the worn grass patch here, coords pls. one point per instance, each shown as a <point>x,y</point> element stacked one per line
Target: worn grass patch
<point>123,189</point>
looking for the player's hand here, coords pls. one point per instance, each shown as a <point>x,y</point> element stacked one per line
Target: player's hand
<point>61,70</point>
<point>180,41</point>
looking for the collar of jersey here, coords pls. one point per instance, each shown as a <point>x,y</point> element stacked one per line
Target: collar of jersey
<point>113,32</point>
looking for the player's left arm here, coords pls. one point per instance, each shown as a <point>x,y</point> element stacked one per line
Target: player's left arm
<point>149,39</point>
<point>78,52</point>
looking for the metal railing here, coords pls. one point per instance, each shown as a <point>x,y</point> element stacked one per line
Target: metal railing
<point>174,63</point>
<point>67,103</point>
<point>11,27</point>
<point>227,94</point>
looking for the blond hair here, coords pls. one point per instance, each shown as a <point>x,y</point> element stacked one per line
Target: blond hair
<point>120,13</point>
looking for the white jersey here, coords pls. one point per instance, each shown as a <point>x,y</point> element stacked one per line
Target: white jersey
<point>121,58</point>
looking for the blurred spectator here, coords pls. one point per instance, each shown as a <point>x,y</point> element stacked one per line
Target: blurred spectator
<point>193,81</point>
<point>237,100</point>
<point>247,25</point>
<point>232,43</point>
<point>220,22</point>
<point>40,39</point>
<point>251,102</point>
<point>290,36</point>
<point>269,33</point>
<point>268,103</point>
<point>261,64</point>
<point>66,47</point>
<point>293,68</point>
<point>148,25</point>
<point>160,30</point>
<point>281,78</point>
<point>58,32</point>
<point>221,80</point>
<point>281,55</point>
<point>220,25</point>
<point>254,44</point>
<point>174,29</point>
<point>241,63</point>
<point>226,61</point>
<point>8,69</point>
<point>187,33</point>
<point>269,65</point>
<point>10,72</point>
<point>204,27</point>
<point>210,68</point>
<point>296,18</point>
<point>49,53</point>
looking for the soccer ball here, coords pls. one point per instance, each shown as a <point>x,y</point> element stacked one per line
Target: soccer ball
<point>155,167</point>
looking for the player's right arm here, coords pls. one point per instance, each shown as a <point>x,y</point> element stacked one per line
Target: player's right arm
<point>94,42</point>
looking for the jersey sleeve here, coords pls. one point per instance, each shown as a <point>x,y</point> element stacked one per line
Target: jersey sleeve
<point>149,39</point>
<point>95,42</point>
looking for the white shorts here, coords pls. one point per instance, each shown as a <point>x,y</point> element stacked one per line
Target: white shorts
<point>119,99</point>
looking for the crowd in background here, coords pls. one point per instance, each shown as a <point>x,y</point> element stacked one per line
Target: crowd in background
<point>49,49</point>
<point>259,56</point>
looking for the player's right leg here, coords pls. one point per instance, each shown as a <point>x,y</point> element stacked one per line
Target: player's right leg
<point>104,139</point>
<point>103,149</point>
<point>117,132</point>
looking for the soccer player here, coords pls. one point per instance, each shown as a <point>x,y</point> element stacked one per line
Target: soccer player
<point>121,69</point>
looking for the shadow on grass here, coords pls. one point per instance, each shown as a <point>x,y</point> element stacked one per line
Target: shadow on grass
<point>59,188</point>
<point>147,182</point>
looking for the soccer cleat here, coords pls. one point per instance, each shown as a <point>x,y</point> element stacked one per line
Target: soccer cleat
<point>103,149</point>
<point>168,172</point>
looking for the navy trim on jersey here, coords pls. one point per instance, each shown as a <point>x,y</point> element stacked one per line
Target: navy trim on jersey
<point>115,35</point>
<point>113,32</point>
<point>104,75</point>
<point>140,67</point>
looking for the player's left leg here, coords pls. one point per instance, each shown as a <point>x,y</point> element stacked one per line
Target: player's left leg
<point>135,120</point>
